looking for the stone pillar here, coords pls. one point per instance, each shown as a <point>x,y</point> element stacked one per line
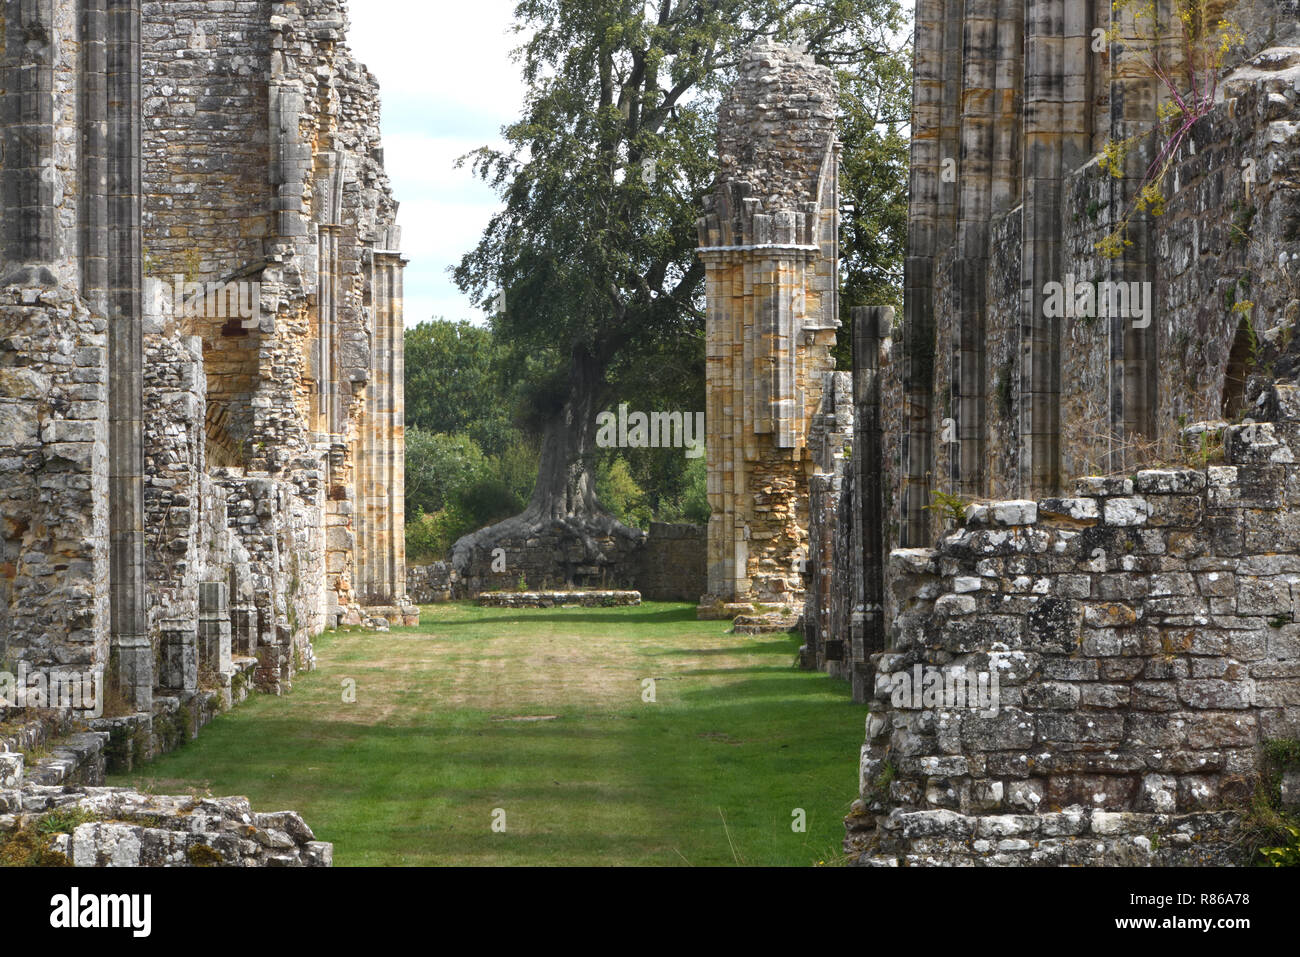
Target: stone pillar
<point>243,629</point>
<point>125,354</point>
<point>381,541</point>
<point>1134,98</point>
<point>769,242</point>
<point>930,225</point>
<point>872,327</point>
<point>339,531</point>
<point>48,214</point>
<point>179,655</point>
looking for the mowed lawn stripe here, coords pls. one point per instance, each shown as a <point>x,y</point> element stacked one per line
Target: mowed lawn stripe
<point>540,714</point>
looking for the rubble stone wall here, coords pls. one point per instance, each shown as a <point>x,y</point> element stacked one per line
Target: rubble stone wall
<point>673,563</point>
<point>665,564</point>
<point>54,563</point>
<point>1143,635</point>
<point>1139,624</point>
<point>556,556</point>
<point>208,200</point>
<point>430,584</point>
<point>264,165</point>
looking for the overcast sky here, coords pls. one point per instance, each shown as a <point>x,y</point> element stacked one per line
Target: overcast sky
<point>448,86</point>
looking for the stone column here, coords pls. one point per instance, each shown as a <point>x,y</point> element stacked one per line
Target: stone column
<point>180,655</point>
<point>125,353</point>
<point>381,542</point>
<point>214,629</point>
<point>872,326</point>
<point>1134,98</point>
<point>768,241</point>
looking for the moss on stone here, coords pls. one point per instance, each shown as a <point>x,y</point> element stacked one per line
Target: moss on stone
<point>204,855</point>
<point>27,848</point>
<point>1266,822</point>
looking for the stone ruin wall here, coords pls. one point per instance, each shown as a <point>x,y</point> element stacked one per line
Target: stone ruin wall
<point>834,591</point>
<point>1144,636</point>
<point>305,209</point>
<point>54,427</point>
<point>554,556</point>
<point>1141,624</point>
<point>1007,195</point>
<point>189,522</point>
<point>667,564</point>
<point>57,351</point>
<point>769,241</point>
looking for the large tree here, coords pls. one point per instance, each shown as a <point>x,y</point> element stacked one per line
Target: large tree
<point>591,263</point>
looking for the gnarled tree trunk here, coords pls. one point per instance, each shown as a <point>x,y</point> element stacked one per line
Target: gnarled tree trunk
<point>564,501</point>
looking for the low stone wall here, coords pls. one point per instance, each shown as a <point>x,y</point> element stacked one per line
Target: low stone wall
<point>559,555</point>
<point>669,563</point>
<point>674,563</point>
<point>1139,643</point>
<point>62,755</point>
<point>430,584</point>
<point>552,599</point>
<point>1075,836</point>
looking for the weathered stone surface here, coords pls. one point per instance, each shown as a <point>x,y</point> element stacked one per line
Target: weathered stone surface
<point>768,242</point>
<point>196,483</point>
<point>130,829</point>
<point>1158,603</point>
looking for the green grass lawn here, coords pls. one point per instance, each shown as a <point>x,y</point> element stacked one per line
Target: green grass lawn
<point>539,713</point>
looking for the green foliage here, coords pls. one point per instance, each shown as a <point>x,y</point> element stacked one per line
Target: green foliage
<point>26,848</point>
<point>64,820</point>
<point>1271,830</point>
<point>455,384</point>
<point>429,537</point>
<point>29,846</point>
<point>1188,84</point>
<point>204,855</point>
<point>949,507</point>
<point>1283,753</point>
<point>1286,855</point>
<point>439,467</point>
<point>618,491</point>
<point>880,786</point>
<point>695,500</point>
<point>452,488</point>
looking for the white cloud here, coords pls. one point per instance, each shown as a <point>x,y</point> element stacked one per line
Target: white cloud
<point>448,86</point>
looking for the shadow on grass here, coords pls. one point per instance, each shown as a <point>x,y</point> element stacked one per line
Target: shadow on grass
<point>650,783</point>
<point>785,646</point>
